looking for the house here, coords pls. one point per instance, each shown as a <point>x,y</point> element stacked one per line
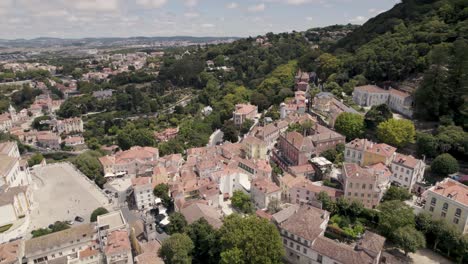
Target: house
<point>263,191</point>
<point>366,185</point>
<point>118,248</point>
<point>69,126</point>
<point>324,139</point>
<point>306,192</point>
<point>167,134</point>
<point>143,192</point>
<point>328,106</point>
<point>370,95</point>
<point>12,253</point>
<point>365,152</point>
<point>407,170</point>
<point>254,148</point>
<point>5,122</point>
<point>103,94</point>
<point>244,112</point>
<point>60,247</point>
<point>270,133</point>
<point>135,161</point>
<point>448,201</point>
<point>149,254</point>
<point>47,139</point>
<point>207,110</point>
<point>197,210</point>
<point>73,141</point>
<point>293,149</point>
<point>302,232</point>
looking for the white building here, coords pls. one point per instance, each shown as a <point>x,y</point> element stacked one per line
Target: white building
<point>263,191</point>
<point>143,192</point>
<point>407,170</point>
<point>370,95</point>
<point>68,126</point>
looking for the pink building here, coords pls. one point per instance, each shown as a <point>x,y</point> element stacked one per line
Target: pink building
<point>244,112</point>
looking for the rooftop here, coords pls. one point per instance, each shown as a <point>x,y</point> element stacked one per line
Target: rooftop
<point>370,89</point>
<point>306,222</point>
<point>265,185</point>
<point>451,189</point>
<point>117,242</point>
<point>112,220</point>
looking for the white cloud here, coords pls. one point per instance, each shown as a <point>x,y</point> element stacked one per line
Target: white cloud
<point>191,3</point>
<point>309,18</point>
<point>232,5</point>
<point>151,3</point>
<point>191,14</point>
<point>297,2</point>
<point>358,20</point>
<point>374,11</point>
<point>256,8</point>
<point>207,25</point>
<point>95,5</point>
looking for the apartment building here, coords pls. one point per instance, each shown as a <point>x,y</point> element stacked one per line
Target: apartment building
<point>306,192</point>
<point>448,201</point>
<point>135,161</point>
<point>270,133</point>
<point>293,149</point>
<point>48,139</point>
<point>244,112</point>
<point>12,253</point>
<point>254,148</point>
<point>302,231</point>
<point>69,126</point>
<point>407,170</point>
<point>143,192</point>
<point>365,152</point>
<point>118,249</point>
<point>263,191</point>
<point>370,95</point>
<point>367,185</point>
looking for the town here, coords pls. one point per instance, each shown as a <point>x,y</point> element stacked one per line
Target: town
<point>235,151</point>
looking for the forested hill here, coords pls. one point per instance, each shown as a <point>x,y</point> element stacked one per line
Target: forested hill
<point>429,21</point>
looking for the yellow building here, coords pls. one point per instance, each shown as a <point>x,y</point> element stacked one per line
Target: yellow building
<point>448,200</point>
<point>255,148</point>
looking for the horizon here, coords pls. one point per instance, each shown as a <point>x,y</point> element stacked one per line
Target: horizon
<point>79,19</point>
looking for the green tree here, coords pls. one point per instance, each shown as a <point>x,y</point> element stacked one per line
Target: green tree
<point>327,64</point>
<point>257,239</point>
<point>409,239</point>
<point>396,132</point>
<point>88,163</point>
<point>206,242</point>
<point>177,249</point>
<point>393,215</point>
<point>231,131</point>
<point>396,193</point>
<point>177,223</point>
<point>274,206</point>
<point>242,202</point>
<point>162,191</point>
<point>444,164</point>
<point>97,212</point>
<point>350,125</point>
<point>377,114</point>
<point>35,159</point>
<point>426,144</point>
<point>40,123</point>
<point>327,203</point>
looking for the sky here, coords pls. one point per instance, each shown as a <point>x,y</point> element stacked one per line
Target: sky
<point>129,18</point>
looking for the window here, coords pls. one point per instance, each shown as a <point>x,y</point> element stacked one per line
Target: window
<point>308,192</point>
<point>298,248</point>
<point>458,212</point>
<point>433,201</point>
<point>370,186</point>
<point>407,171</point>
<point>349,193</point>
<point>347,152</point>
<point>362,195</point>
<point>285,241</point>
<point>304,250</point>
<point>363,186</point>
<point>350,185</point>
<point>291,245</point>
<point>319,258</point>
<point>431,209</point>
<point>355,194</point>
<point>406,179</point>
<point>455,221</point>
<point>443,214</point>
<point>445,207</point>
<point>368,195</point>
<point>357,185</point>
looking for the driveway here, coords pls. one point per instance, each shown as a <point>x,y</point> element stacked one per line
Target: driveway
<point>427,256</point>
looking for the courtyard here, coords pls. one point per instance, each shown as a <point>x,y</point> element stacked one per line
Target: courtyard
<point>61,194</point>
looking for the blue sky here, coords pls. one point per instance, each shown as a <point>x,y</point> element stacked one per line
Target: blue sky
<point>126,18</point>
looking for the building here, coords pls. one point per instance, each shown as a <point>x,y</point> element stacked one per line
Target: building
<point>69,126</point>
<point>135,161</point>
<point>167,134</point>
<point>12,253</point>
<point>306,192</point>
<point>244,112</point>
<point>5,122</point>
<point>112,221</point>
<point>118,248</point>
<point>103,94</point>
<point>74,141</point>
<point>143,192</point>
<point>293,149</point>
<point>407,170</point>
<point>263,191</point>
<point>254,148</point>
<point>270,133</point>
<point>329,107</point>
<point>448,200</point>
<point>324,139</point>
<point>302,231</point>
<point>365,152</point>
<point>367,185</point>
<point>61,247</point>
<point>47,139</point>
<point>370,95</point>
<point>197,210</point>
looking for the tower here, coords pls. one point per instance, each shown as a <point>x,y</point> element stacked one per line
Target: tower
<point>12,112</point>
<point>282,110</point>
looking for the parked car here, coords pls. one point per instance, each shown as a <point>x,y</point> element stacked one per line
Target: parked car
<point>107,191</point>
<point>79,219</point>
<point>159,229</point>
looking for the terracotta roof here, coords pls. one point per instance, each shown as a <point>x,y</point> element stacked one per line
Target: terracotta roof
<point>380,169</point>
<point>310,186</point>
<point>88,252</point>
<point>253,141</point>
<point>285,214</point>
<point>244,109</point>
<point>452,189</point>
<point>265,185</point>
<point>302,169</point>
<point>10,252</point>
<point>196,211</point>
<point>406,160</point>
<point>353,170</point>
<point>117,242</point>
<point>370,89</point>
<point>263,214</point>
<point>306,222</point>
<point>382,149</point>
<point>298,141</point>
<point>399,93</point>
<point>139,181</point>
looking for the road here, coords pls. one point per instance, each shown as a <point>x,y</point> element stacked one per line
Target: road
<point>215,137</point>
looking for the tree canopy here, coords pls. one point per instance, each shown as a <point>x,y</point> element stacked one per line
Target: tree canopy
<point>396,132</point>
<point>350,125</point>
